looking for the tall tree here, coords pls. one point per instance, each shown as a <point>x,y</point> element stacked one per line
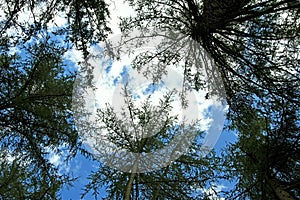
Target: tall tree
<point>36,90</point>
<point>34,115</point>
<point>159,176</point>
<point>267,30</point>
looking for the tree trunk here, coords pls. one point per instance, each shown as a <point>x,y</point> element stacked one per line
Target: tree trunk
<point>131,179</point>
<point>279,190</point>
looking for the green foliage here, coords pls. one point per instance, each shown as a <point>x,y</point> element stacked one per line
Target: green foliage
<point>22,178</point>
<point>266,157</point>
<point>36,90</point>
<point>255,45</point>
<point>35,99</point>
<point>86,21</point>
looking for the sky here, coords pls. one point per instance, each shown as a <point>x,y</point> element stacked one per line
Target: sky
<point>114,74</point>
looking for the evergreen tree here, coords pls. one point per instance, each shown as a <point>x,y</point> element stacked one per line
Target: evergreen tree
<point>254,43</point>
<point>265,160</point>
<point>157,177</point>
<point>36,90</point>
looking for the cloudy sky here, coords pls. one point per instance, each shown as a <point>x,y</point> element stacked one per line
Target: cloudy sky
<point>111,76</point>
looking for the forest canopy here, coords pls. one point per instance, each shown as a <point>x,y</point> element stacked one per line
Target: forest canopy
<point>255,48</point>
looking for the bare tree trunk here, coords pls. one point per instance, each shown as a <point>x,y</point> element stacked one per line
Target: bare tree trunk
<point>130,181</point>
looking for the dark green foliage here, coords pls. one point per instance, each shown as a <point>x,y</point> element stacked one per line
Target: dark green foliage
<point>254,43</point>
<point>265,160</point>
<point>24,178</point>
<point>34,119</point>
<point>36,91</point>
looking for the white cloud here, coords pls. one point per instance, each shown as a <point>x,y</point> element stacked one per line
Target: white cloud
<point>213,191</point>
<point>59,20</point>
<point>55,160</point>
<point>73,55</point>
<point>118,8</point>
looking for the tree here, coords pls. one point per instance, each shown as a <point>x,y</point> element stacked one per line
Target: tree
<point>254,44</point>
<point>35,118</point>
<point>86,21</point>
<point>245,38</point>
<point>36,90</point>
<point>265,160</point>
<point>23,178</point>
<point>138,177</point>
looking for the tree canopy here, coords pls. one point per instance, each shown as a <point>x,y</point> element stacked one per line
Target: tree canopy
<point>255,47</point>
<point>254,43</point>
